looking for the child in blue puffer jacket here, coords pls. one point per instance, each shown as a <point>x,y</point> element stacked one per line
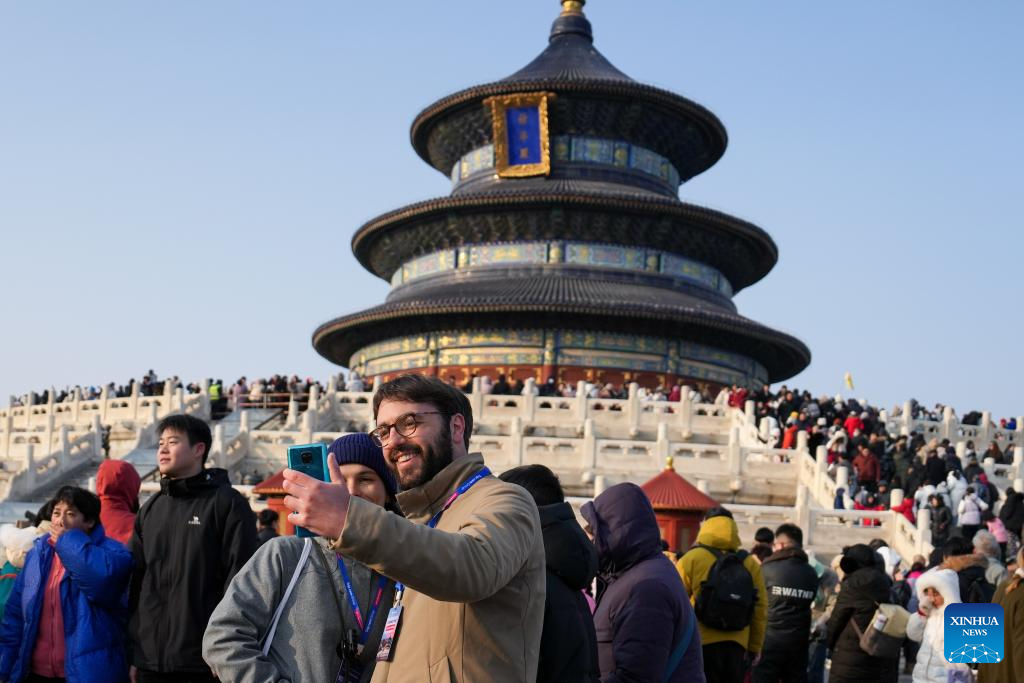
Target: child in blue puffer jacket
<point>64,619</point>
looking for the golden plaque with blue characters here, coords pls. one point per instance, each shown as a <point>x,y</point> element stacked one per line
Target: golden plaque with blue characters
<point>521,142</point>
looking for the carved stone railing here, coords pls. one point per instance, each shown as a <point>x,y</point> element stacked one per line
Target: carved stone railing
<point>47,471</point>
<point>949,427</point>
<point>76,411</point>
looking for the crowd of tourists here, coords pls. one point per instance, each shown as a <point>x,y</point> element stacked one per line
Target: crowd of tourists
<point>956,490</point>
<point>419,564</point>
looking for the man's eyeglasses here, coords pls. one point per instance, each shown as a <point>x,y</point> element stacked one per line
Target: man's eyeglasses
<point>405,425</point>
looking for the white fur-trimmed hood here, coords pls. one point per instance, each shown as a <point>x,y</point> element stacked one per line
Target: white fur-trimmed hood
<point>945,581</point>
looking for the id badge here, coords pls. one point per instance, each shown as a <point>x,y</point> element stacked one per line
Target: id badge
<point>387,639</point>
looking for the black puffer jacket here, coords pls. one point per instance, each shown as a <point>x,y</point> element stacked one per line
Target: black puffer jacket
<point>863,588</point>
<point>568,645</point>
<point>791,584</point>
<point>190,540</point>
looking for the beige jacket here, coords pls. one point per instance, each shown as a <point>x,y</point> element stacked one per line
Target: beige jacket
<point>473,609</point>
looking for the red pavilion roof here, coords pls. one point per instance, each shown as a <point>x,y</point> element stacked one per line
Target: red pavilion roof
<point>273,485</point>
<point>669,491</point>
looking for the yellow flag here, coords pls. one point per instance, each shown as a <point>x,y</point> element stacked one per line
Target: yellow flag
<point>848,378</point>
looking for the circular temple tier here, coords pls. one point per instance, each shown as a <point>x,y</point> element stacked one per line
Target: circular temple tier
<point>563,250</point>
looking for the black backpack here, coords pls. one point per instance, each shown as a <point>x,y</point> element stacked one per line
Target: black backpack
<point>725,600</point>
<point>980,590</point>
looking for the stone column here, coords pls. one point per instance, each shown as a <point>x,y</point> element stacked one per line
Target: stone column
<point>581,401</point>
<point>633,410</point>
<point>516,440</point>
<point>65,445</point>
<point>307,426</point>
<point>895,498</point>
<point>686,415</point>
<point>907,419</point>
<point>135,401</point>
<point>949,423</point>
<point>801,441</point>
<point>30,468</point>
<point>803,508</point>
<point>97,437</point>
<point>313,408</point>
<point>529,400</point>
<point>76,403</point>
<point>749,412</point>
<point>476,399</point>
<point>217,448</point>
<point>820,467</point>
<point>104,401</point>
<point>924,529</point>
<point>735,453</point>
<point>661,446</point>
<point>843,480</point>
<point>48,438</point>
<point>985,428</point>
<point>293,414</point>
<point>1018,468</point>
<point>590,444</point>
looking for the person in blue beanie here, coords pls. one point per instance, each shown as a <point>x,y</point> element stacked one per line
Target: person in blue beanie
<point>64,619</point>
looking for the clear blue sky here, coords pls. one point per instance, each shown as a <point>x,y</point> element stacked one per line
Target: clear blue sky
<point>179,182</point>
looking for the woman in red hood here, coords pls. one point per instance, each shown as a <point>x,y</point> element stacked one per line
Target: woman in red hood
<point>117,485</point>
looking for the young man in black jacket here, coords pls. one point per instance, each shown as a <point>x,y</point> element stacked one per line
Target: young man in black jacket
<point>190,539</point>
<point>791,584</point>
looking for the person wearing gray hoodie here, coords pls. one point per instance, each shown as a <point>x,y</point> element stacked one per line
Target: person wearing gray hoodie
<point>331,622</point>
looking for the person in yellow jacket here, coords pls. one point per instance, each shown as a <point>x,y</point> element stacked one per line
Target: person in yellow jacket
<point>727,654</point>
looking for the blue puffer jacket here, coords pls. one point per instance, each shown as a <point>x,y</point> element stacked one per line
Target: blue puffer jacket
<point>92,592</point>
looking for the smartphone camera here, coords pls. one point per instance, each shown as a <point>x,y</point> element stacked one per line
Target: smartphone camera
<point>307,457</point>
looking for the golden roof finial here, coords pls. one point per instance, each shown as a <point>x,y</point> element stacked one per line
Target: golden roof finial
<point>573,6</point>
<point>670,463</point>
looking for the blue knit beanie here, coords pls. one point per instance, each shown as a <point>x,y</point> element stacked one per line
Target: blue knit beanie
<point>359,448</point>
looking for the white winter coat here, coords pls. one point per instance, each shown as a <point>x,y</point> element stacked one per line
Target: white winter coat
<point>931,666</point>
<point>970,510</point>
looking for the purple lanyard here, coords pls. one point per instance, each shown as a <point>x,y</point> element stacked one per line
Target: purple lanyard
<point>466,485</point>
<point>354,603</point>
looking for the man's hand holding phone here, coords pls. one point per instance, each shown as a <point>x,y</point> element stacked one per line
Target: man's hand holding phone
<point>316,505</point>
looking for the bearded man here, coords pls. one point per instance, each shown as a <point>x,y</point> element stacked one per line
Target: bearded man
<point>469,552</point>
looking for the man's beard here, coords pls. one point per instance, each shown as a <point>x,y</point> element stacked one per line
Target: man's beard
<point>434,458</point>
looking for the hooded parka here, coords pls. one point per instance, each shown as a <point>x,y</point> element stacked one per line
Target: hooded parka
<point>864,587</point>
<point>694,567</point>
<point>117,485</point>
<point>931,666</point>
<point>642,608</point>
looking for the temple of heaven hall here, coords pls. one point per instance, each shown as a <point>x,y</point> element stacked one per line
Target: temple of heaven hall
<point>563,250</point>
